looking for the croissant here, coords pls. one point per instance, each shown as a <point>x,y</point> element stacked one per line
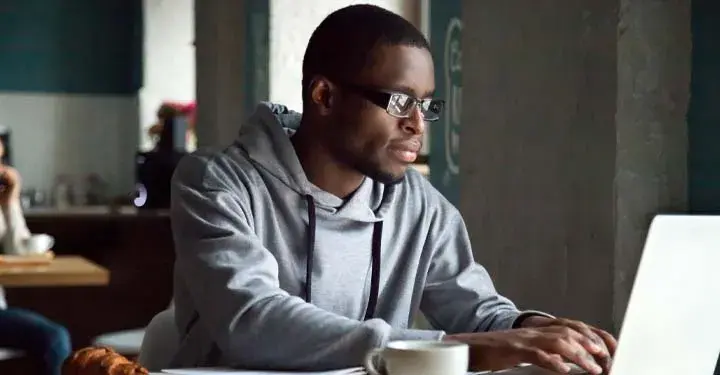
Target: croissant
<point>100,361</point>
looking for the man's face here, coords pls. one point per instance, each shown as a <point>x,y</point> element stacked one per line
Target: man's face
<point>363,135</point>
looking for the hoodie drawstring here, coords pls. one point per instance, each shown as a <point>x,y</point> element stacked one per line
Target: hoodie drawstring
<point>375,265</point>
<point>310,248</point>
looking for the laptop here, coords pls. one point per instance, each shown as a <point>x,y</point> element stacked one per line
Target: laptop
<point>671,324</point>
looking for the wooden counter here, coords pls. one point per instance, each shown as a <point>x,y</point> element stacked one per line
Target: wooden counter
<point>63,271</point>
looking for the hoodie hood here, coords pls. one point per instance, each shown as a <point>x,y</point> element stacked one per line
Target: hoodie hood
<point>265,137</point>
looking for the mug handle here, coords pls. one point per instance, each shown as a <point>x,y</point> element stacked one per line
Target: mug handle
<point>370,360</point>
<point>51,242</point>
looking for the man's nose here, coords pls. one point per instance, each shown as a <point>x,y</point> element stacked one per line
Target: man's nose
<point>415,124</point>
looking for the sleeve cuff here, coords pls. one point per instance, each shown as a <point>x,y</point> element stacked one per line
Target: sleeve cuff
<point>528,313</point>
<point>15,218</point>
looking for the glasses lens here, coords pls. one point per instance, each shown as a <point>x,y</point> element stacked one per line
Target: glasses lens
<point>400,105</point>
<point>431,109</point>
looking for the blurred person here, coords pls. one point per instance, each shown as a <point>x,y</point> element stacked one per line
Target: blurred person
<point>45,341</point>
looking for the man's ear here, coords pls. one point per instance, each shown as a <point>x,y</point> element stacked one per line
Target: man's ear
<point>322,94</point>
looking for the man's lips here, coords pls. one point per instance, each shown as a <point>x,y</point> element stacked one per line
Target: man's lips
<point>412,145</point>
<point>406,151</point>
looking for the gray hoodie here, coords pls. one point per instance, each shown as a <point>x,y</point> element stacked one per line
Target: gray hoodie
<point>272,272</point>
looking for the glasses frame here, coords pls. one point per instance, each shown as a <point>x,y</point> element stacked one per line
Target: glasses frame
<point>383,99</point>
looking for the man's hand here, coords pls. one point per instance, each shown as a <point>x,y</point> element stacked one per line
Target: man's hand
<point>596,335</point>
<point>549,347</point>
<point>10,185</point>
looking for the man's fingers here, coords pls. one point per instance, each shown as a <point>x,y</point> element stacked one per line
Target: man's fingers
<point>605,363</point>
<point>574,352</point>
<point>593,342</point>
<point>552,362</point>
<point>609,340</point>
<point>570,331</point>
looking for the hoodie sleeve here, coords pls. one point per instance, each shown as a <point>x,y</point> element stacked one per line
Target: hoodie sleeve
<point>233,283</point>
<point>459,295</point>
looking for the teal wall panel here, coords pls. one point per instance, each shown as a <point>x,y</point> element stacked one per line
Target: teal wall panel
<point>71,46</point>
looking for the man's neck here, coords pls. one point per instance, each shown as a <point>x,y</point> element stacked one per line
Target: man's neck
<point>322,169</point>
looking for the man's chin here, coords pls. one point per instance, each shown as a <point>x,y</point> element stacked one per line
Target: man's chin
<point>396,180</point>
<point>389,178</point>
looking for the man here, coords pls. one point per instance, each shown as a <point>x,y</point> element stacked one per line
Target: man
<point>306,249</point>
<point>46,341</point>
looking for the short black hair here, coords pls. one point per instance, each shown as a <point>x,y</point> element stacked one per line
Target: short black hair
<point>341,44</point>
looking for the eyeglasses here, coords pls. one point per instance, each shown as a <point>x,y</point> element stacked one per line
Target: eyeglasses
<point>398,104</point>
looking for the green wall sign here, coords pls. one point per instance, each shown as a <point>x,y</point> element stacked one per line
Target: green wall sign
<point>445,40</point>
<point>257,43</point>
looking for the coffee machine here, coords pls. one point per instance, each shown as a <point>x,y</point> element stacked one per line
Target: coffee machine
<point>154,169</point>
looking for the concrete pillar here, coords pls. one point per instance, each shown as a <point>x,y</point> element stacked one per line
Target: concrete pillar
<point>220,61</point>
<point>232,60</point>
<point>556,133</point>
<point>654,68</point>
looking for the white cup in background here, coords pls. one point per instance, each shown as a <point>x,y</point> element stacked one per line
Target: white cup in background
<point>38,244</point>
<point>419,357</point>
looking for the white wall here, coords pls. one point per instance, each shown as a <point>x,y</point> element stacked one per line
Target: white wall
<point>169,58</point>
<point>71,134</point>
<point>291,24</point>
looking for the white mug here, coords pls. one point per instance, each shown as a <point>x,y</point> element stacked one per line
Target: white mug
<point>420,357</point>
<point>38,244</point>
